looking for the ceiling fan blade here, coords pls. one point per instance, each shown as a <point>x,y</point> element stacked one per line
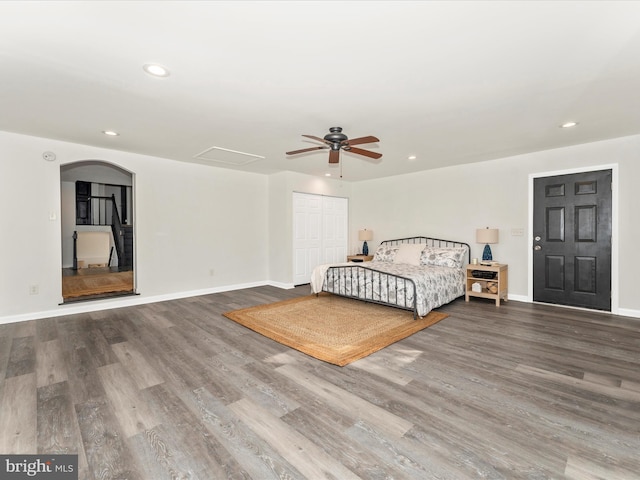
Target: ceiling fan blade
<point>366,153</point>
<point>295,152</point>
<point>334,156</point>
<point>316,138</point>
<point>358,141</point>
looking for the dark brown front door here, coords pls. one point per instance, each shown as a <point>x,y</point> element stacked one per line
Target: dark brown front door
<point>572,240</point>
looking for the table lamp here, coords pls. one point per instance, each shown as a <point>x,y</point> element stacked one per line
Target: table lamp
<point>487,236</point>
<point>363,236</point>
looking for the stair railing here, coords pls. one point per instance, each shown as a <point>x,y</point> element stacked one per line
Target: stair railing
<point>75,250</point>
<point>116,229</point>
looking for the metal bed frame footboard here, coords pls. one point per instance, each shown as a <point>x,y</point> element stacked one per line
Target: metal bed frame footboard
<point>392,283</point>
<point>362,282</point>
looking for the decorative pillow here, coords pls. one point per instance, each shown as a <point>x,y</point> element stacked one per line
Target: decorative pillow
<point>443,257</point>
<point>409,253</point>
<point>385,254</point>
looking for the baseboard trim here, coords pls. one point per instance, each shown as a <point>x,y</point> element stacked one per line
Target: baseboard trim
<point>120,302</point>
<point>284,286</point>
<point>628,312</point>
<point>130,301</point>
<point>518,298</point>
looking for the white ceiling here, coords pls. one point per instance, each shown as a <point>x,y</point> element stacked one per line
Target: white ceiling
<point>450,82</point>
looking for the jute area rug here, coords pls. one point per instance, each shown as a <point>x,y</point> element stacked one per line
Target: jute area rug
<point>80,285</point>
<point>333,329</point>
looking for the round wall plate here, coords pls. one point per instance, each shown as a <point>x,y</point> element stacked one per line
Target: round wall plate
<point>49,156</point>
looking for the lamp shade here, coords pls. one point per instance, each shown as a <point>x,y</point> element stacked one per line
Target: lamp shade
<point>365,235</point>
<point>487,235</point>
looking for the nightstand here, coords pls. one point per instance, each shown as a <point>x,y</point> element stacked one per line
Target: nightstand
<point>493,279</point>
<point>359,258</point>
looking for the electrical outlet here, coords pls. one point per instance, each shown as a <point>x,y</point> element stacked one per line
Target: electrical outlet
<point>517,232</point>
<point>34,289</point>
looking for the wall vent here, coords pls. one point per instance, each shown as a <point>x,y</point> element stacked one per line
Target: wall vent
<point>228,157</point>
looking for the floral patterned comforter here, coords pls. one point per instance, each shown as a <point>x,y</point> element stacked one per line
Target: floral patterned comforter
<point>378,281</point>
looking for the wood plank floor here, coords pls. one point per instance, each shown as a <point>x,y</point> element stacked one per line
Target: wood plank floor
<point>96,283</point>
<point>174,390</point>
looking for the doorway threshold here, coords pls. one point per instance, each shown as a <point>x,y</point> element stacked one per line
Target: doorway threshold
<point>100,296</point>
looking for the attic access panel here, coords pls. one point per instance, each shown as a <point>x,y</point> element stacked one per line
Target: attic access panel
<point>227,156</point>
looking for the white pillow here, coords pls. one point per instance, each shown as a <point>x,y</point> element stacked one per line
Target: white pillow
<point>409,253</point>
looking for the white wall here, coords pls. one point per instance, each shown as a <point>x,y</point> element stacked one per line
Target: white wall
<point>452,202</point>
<point>30,240</point>
<point>190,220</point>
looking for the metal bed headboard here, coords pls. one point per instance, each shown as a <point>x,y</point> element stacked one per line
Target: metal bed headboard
<point>432,242</point>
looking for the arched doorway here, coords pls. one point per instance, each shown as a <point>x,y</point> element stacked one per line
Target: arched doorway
<point>97,226</point>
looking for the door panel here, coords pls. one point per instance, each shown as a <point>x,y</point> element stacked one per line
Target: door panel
<point>586,223</point>
<point>585,272</point>
<point>555,224</point>
<point>554,275</point>
<point>307,215</point>
<point>334,234</point>
<point>572,240</point>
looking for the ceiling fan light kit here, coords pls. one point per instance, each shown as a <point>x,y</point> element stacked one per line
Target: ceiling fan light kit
<point>335,141</point>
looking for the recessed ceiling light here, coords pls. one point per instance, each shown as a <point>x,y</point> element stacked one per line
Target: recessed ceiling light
<point>412,157</point>
<point>327,174</point>
<point>111,133</point>
<point>156,70</point>
<point>568,124</point>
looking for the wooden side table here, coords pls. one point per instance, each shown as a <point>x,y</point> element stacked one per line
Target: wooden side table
<point>494,288</point>
<point>359,258</point>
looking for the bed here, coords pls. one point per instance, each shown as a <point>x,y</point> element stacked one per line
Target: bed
<point>415,273</point>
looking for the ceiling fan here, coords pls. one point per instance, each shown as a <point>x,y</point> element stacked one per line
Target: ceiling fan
<point>336,141</point>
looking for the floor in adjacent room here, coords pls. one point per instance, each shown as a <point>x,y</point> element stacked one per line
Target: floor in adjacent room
<point>96,283</point>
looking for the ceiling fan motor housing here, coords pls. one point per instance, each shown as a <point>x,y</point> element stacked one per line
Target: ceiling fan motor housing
<point>335,137</point>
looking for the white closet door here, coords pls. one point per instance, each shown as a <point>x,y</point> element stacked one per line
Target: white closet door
<point>334,229</point>
<point>307,227</point>
<point>319,233</point>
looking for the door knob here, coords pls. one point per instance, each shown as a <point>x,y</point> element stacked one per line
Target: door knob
<point>537,247</point>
